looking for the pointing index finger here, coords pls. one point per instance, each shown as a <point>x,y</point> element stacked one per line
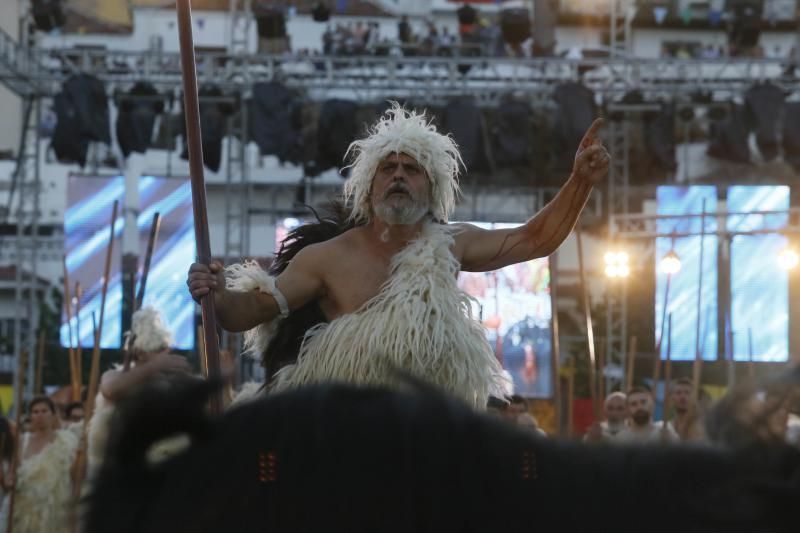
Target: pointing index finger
<point>591,133</point>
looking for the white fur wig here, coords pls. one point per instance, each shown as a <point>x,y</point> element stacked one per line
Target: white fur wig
<point>148,331</point>
<point>403,131</point>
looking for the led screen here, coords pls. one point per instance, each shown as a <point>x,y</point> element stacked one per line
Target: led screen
<point>86,229</point>
<point>681,301</point>
<point>759,286</point>
<point>514,305</point>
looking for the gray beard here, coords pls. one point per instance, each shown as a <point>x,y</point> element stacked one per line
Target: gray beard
<point>403,215</point>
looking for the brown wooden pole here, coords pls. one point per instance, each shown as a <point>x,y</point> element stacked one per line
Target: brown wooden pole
<point>191,107</point>
<point>201,352</point>
<point>148,256</point>
<point>630,364</point>
<point>601,371</point>
<point>37,384</point>
<point>79,347</point>
<point>94,371</point>
<point>587,313</point>
<point>555,352</point>
<point>73,370</point>
<point>15,459</point>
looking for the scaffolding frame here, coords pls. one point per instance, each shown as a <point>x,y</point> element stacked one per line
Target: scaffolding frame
<point>36,74</point>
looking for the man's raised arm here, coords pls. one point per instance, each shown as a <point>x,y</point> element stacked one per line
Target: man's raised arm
<point>483,250</point>
<point>244,295</point>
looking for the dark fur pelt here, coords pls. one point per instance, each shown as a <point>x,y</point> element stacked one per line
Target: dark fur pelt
<point>285,345</point>
<point>372,460</point>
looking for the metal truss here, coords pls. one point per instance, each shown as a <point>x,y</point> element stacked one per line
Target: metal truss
<point>638,226</point>
<point>25,70</point>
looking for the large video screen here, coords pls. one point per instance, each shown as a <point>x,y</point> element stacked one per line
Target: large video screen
<point>681,301</point>
<point>86,228</point>
<point>514,305</point>
<point>759,286</point>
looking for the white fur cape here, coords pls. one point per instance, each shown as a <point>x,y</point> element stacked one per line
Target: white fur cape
<point>419,322</point>
<point>44,489</point>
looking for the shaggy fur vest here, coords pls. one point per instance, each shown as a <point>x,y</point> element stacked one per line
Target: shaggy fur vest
<point>44,490</point>
<point>420,322</point>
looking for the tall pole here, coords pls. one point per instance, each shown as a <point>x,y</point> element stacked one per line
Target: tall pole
<point>148,256</point>
<point>73,365</point>
<point>555,352</point>
<point>668,373</point>
<point>195,149</point>
<point>79,347</point>
<point>587,313</point>
<point>698,348</point>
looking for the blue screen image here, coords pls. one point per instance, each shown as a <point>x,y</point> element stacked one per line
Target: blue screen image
<point>86,228</point>
<point>759,286</point>
<point>682,298</point>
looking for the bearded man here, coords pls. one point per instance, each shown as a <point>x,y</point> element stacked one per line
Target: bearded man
<point>387,285</point>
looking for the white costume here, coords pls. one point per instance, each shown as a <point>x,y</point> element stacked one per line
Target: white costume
<point>44,487</point>
<point>148,334</point>
<point>420,321</point>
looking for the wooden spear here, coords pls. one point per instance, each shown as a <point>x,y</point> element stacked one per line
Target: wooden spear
<point>79,347</point>
<point>148,256</point>
<point>194,145</point>
<point>37,384</point>
<point>94,372</point>
<point>73,370</point>
<point>631,363</point>
<point>587,313</point>
<point>15,459</point>
<point>555,352</point>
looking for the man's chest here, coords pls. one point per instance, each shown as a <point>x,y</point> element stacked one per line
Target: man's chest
<point>353,282</point>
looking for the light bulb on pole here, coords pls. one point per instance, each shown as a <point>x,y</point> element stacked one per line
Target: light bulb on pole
<point>670,264</point>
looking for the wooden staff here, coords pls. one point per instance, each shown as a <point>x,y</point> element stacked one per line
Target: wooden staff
<point>73,370</point>
<point>668,374</point>
<point>751,367</point>
<point>201,352</point>
<point>194,146</point>
<point>630,364</point>
<point>657,360</point>
<point>601,370</point>
<point>587,313</point>
<point>698,348</point>
<point>15,459</point>
<point>151,243</point>
<point>79,347</point>
<point>555,352</point>
<point>94,372</point>
<point>37,384</point>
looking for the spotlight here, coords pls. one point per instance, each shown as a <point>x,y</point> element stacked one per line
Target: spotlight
<point>670,263</point>
<point>617,264</point>
<point>788,258</point>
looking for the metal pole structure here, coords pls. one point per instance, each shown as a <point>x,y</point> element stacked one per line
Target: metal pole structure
<point>194,145</point>
<point>587,313</point>
<point>668,373</point>
<point>698,349</point>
